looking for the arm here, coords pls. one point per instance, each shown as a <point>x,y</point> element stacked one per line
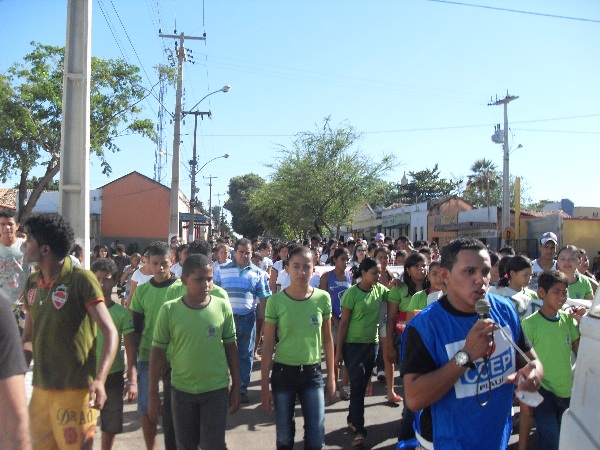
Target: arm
<point>132,287</point>
<point>532,372</point>
<point>324,281</point>
<point>99,314</point>
<point>26,339</point>
<point>342,331</point>
<point>327,339</point>
<point>273,280</point>
<point>233,361</point>
<point>390,329</point>
<point>265,365</point>
<point>425,389</point>
<point>158,362</point>
<point>130,350</point>
<point>13,413</point>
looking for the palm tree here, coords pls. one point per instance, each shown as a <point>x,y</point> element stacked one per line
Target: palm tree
<point>485,178</point>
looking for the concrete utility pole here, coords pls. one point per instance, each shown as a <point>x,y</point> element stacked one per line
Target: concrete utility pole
<point>505,172</point>
<point>74,185</point>
<point>181,58</point>
<point>193,173</point>
<point>210,178</point>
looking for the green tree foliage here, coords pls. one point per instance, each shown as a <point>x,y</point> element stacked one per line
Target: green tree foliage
<point>31,113</point>
<point>34,181</point>
<point>243,220</point>
<point>317,183</point>
<point>427,185</point>
<point>483,183</point>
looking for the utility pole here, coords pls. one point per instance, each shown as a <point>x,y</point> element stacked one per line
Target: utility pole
<point>210,178</point>
<point>181,58</point>
<point>193,173</point>
<point>505,172</point>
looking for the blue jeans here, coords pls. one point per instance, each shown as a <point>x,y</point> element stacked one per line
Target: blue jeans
<point>359,360</point>
<point>548,417</point>
<point>245,330</point>
<point>307,383</point>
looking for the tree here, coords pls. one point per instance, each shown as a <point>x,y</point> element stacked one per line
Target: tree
<point>31,108</point>
<point>484,180</point>
<point>33,182</point>
<point>427,185</point>
<point>243,220</point>
<point>317,183</point>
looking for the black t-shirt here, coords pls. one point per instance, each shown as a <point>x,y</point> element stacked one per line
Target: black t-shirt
<point>12,359</point>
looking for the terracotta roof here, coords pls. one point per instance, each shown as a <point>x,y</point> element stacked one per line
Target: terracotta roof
<point>8,199</point>
<point>534,213</point>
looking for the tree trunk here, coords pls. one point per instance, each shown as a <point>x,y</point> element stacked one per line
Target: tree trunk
<point>25,210</point>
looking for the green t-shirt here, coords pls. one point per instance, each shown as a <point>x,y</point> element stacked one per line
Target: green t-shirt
<point>299,326</point>
<point>364,321</point>
<point>63,332</point>
<point>147,300</point>
<point>581,289</point>
<point>553,342</point>
<point>124,325</point>
<point>418,301</point>
<point>400,295</point>
<point>177,289</point>
<point>196,338</point>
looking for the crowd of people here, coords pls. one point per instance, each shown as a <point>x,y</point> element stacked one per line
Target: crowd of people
<point>197,316</point>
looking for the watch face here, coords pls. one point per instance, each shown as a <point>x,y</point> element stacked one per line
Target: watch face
<point>461,358</point>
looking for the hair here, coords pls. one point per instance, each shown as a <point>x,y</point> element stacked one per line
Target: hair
<point>548,278</point>
<point>51,230</point>
<point>514,264</point>
<point>105,265</point>
<point>315,238</point>
<point>382,249</point>
<point>339,252</point>
<point>76,250</point>
<point>365,265</point>
<point>256,255</point>
<point>199,247</point>
<point>403,238</point>
<point>264,245</point>
<point>220,246</point>
<point>195,261</point>
<point>570,248</point>
<point>120,248</point>
<point>412,260</point>
<point>136,255</point>
<point>502,263</point>
<point>494,257</point>
<point>434,264</point>
<point>356,247</point>
<point>7,214</point>
<point>158,248</point>
<point>300,250</point>
<point>243,242</point>
<point>508,250</point>
<point>98,248</point>
<point>401,253</point>
<point>372,246</point>
<point>451,249</point>
<point>425,251</point>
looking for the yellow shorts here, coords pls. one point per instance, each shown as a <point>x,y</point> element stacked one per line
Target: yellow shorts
<point>61,419</point>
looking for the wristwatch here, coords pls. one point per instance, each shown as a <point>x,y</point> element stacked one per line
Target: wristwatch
<point>463,359</point>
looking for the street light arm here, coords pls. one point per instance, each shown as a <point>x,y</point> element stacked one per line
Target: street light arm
<point>226,88</point>
<point>226,155</point>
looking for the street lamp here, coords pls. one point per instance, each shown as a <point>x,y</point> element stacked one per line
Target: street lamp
<point>225,88</point>
<point>193,200</point>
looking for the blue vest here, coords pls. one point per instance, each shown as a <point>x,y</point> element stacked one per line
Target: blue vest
<point>336,290</point>
<point>458,419</point>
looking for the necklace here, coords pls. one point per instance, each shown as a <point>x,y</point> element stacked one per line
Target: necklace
<point>47,294</point>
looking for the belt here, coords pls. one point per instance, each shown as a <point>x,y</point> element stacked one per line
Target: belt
<point>300,368</point>
<point>243,315</point>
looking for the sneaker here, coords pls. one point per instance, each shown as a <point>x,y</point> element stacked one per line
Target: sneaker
<point>345,393</point>
<point>381,376</point>
<point>244,398</point>
<point>359,440</point>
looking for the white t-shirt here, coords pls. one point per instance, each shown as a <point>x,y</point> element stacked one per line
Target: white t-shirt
<point>13,270</point>
<point>176,270</point>
<point>139,277</point>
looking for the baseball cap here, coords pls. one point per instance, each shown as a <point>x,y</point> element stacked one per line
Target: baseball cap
<point>549,236</point>
<point>379,237</point>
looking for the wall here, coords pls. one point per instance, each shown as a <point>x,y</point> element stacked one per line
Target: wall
<point>582,233</point>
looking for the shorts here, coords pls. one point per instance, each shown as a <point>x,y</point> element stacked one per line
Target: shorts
<point>111,416</point>
<point>61,418</point>
<point>143,367</point>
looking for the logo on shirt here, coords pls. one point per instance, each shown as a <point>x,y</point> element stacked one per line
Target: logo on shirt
<point>59,296</point>
<point>314,320</point>
<point>569,341</point>
<point>211,332</point>
<point>31,296</point>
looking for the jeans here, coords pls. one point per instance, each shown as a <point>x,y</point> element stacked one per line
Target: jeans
<point>200,419</point>
<point>359,360</point>
<point>307,383</point>
<point>548,417</point>
<point>245,330</point>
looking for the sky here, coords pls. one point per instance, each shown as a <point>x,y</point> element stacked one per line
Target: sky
<point>413,77</point>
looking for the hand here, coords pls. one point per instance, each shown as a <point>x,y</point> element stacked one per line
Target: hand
<point>577,313</point>
<point>97,394</point>
<point>479,339</point>
<point>526,379</point>
<point>330,388</point>
<point>154,406</point>
<point>266,399</point>
<point>130,391</point>
<point>339,358</point>
<point>234,399</point>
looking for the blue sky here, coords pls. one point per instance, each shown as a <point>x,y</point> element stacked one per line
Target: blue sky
<point>414,77</point>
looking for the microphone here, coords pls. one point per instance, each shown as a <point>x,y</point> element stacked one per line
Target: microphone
<point>482,308</point>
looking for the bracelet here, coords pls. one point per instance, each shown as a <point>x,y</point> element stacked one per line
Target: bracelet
<point>131,384</point>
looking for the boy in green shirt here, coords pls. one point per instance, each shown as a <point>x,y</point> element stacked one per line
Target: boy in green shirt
<point>111,416</point>
<point>199,331</point>
<point>554,333</point>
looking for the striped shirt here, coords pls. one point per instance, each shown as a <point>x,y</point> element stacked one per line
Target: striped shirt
<point>242,285</point>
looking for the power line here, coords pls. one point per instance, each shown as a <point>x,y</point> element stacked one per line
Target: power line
<point>532,13</point>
